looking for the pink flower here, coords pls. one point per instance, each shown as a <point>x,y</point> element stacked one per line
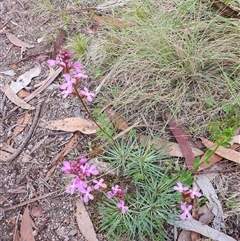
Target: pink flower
<point>92,171</point>
<point>180,187</point>
<point>123,208</point>
<point>70,188</point>
<point>83,160</point>
<point>194,192</point>
<point>80,184</point>
<point>80,75</point>
<point>88,195</point>
<point>77,67</point>
<point>68,86</point>
<point>186,210</point>
<point>110,194</point>
<point>99,184</point>
<point>66,167</point>
<point>116,192</point>
<point>87,94</point>
<point>116,189</point>
<point>52,62</point>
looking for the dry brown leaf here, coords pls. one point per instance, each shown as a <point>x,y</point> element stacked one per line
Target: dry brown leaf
<point>59,157</point>
<point>15,99</point>
<point>16,41</point>
<point>116,119</point>
<point>71,125</point>
<point>225,10</point>
<point>227,153</point>
<point>172,148</point>
<point>84,222</point>
<point>213,159</point>
<point>37,211</point>
<point>110,21</point>
<point>182,139</point>
<point>26,226</point>
<point>23,121</point>
<point>23,94</point>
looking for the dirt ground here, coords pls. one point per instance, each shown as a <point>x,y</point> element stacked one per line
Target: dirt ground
<point>24,177</point>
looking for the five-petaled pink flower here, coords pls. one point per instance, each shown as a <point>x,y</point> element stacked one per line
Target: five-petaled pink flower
<point>67,87</point>
<point>194,192</point>
<point>123,208</point>
<point>85,92</point>
<point>99,184</point>
<point>88,195</point>
<point>91,170</point>
<point>67,169</point>
<point>186,213</point>
<point>180,187</point>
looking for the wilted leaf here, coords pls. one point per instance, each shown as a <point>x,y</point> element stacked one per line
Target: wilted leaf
<point>23,121</point>
<point>225,10</point>
<point>24,79</point>
<point>26,226</point>
<point>59,157</point>
<point>117,120</point>
<point>16,100</point>
<point>172,148</point>
<point>181,136</point>
<point>71,125</point>
<point>16,41</point>
<point>227,153</point>
<point>84,222</point>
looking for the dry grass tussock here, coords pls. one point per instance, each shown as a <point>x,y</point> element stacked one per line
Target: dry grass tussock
<point>173,60</point>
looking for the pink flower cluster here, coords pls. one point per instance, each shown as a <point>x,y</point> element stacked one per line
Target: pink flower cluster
<point>73,74</point>
<point>81,171</point>
<point>118,193</point>
<point>193,193</point>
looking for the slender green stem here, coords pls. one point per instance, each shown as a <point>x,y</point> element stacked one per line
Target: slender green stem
<point>90,115</point>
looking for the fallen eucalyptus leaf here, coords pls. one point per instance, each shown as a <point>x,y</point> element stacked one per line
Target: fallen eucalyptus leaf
<point>227,153</point>
<point>16,41</point>
<point>26,226</point>
<point>71,125</point>
<point>172,148</point>
<point>15,99</point>
<point>84,222</point>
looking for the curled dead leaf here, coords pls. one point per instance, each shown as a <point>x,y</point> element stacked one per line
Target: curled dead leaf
<point>16,100</point>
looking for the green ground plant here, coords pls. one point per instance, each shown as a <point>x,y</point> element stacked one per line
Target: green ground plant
<point>151,199</point>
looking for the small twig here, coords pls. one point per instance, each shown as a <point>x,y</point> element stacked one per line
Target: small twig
<point>28,136</point>
<point>29,201</point>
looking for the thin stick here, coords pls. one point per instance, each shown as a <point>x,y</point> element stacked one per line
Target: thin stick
<point>28,136</point>
<point>30,201</point>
